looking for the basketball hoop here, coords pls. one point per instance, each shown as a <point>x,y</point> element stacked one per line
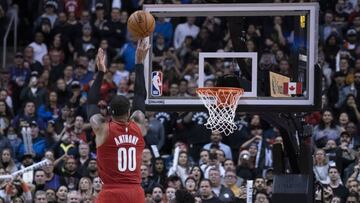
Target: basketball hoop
<point>221,103</point>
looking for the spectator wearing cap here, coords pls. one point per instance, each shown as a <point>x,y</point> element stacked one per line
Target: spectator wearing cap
<point>39,144</point>
<point>351,42</point>
<point>86,42</point>
<point>82,74</point>
<point>25,161</point>
<point>39,47</point>
<point>34,65</point>
<point>100,18</point>
<point>50,12</point>
<point>19,75</point>
<point>33,92</point>
<point>216,138</point>
<point>27,116</point>
<point>114,31</point>
<point>75,93</point>
<point>348,154</point>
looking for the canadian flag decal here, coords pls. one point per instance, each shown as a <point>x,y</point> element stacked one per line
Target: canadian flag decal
<point>291,88</point>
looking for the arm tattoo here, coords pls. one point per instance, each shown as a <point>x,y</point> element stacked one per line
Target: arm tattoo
<point>96,120</point>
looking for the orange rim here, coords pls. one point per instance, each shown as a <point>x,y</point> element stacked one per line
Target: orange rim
<point>228,90</point>
<point>211,91</point>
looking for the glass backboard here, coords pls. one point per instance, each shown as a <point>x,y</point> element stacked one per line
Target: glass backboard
<point>272,48</point>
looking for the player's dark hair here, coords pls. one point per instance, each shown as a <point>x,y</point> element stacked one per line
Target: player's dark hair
<point>119,105</point>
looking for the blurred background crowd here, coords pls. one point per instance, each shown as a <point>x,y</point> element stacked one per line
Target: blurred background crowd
<point>45,89</point>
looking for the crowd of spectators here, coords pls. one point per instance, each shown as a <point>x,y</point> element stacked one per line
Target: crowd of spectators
<point>44,91</point>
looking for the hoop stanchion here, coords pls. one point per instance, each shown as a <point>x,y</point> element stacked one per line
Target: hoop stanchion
<point>221,103</point>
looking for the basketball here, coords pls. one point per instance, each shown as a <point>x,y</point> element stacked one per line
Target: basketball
<point>141,24</point>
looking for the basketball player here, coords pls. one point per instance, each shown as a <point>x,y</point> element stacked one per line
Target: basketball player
<point>119,142</point>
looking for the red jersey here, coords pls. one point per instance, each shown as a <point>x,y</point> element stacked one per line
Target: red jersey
<point>119,157</point>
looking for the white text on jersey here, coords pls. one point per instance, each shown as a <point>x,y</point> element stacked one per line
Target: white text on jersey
<point>121,139</point>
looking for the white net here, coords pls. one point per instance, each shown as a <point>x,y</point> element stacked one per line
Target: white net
<point>221,103</point>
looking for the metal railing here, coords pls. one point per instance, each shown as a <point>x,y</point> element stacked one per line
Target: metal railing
<point>13,21</point>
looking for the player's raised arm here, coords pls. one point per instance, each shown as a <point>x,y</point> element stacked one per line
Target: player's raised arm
<point>138,107</point>
<point>93,112</point>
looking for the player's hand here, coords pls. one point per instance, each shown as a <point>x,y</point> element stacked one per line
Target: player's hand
<point>142,49</point>
<point>101,60</point>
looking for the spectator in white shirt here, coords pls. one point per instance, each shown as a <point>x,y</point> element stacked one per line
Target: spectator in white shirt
<point>39,47</point>
<point>185,29</point>
<point>216,138</point>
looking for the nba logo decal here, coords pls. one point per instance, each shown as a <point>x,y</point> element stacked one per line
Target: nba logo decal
<point>156,83</point>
